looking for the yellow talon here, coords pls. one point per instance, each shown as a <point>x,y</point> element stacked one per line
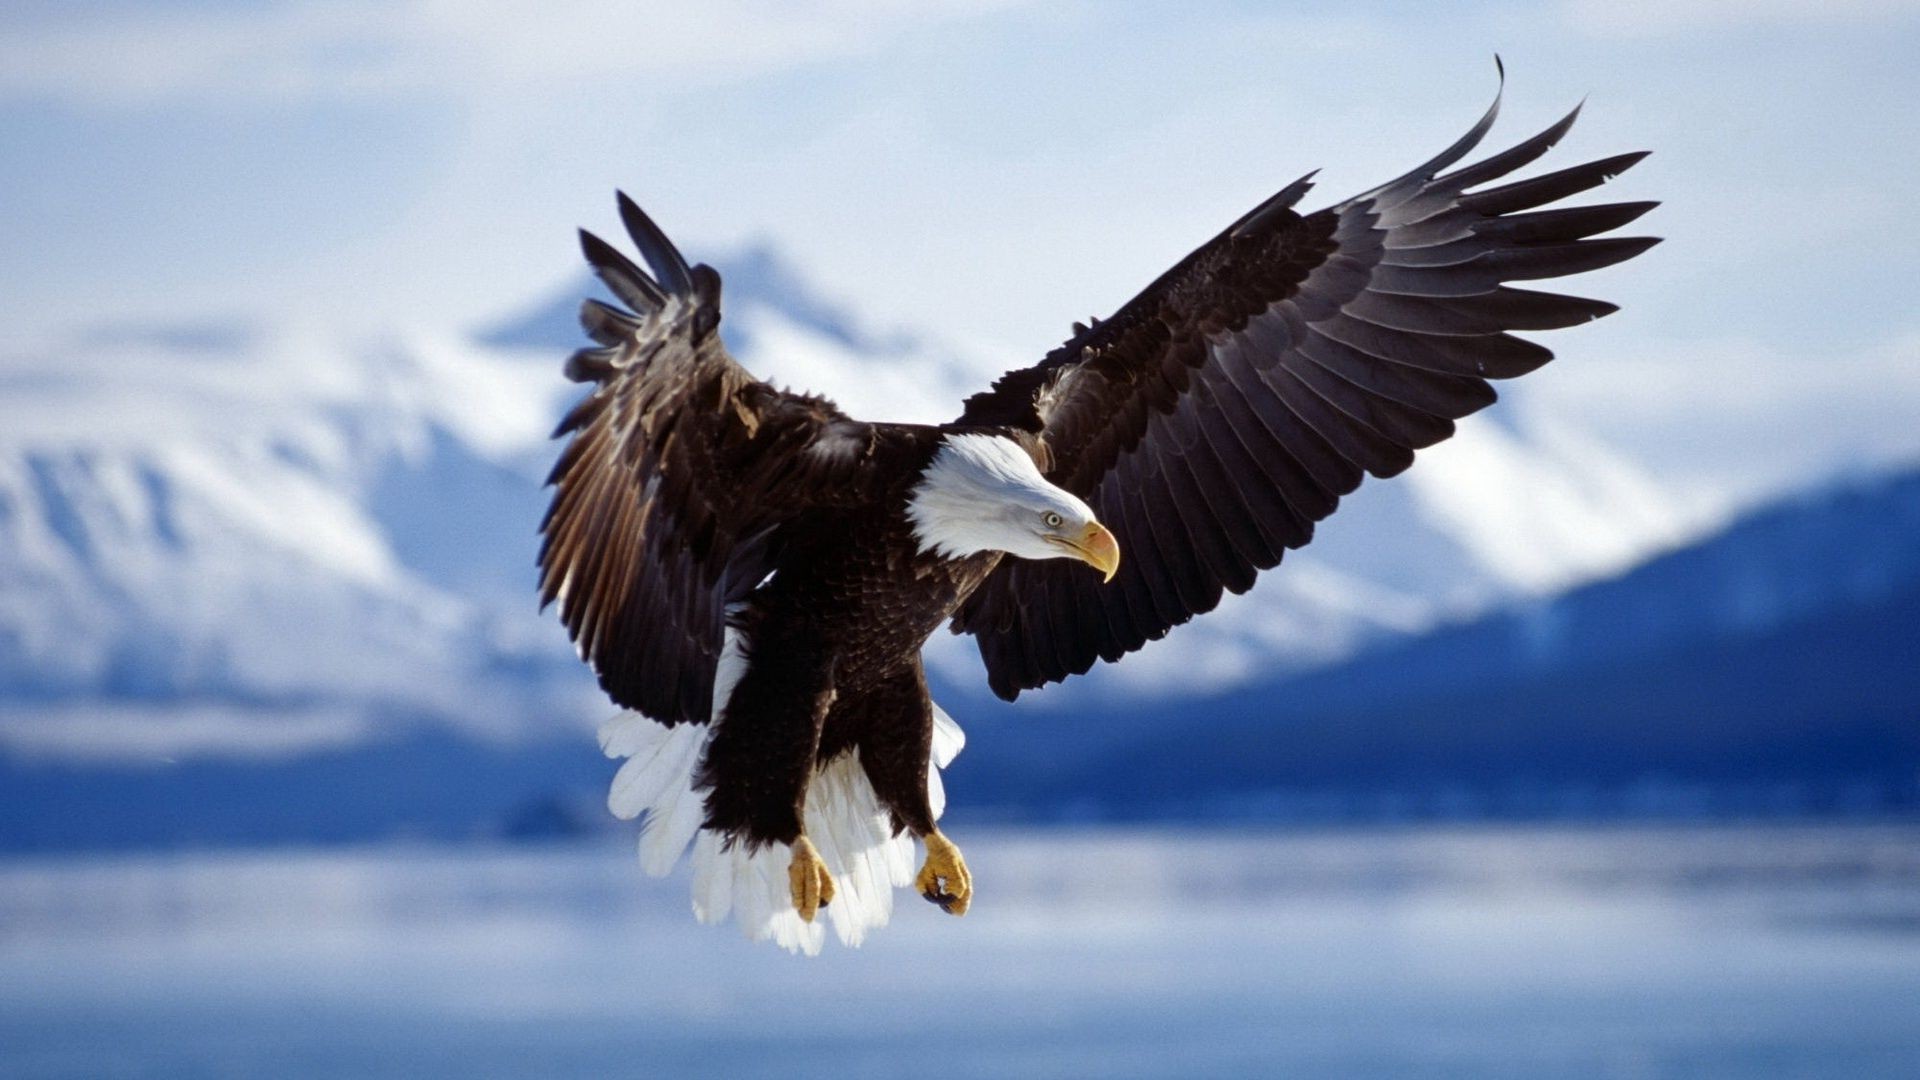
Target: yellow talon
<point>807,878</point>
<point>944,878</point>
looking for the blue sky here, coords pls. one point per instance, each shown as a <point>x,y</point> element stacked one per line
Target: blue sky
<point>985,169</point>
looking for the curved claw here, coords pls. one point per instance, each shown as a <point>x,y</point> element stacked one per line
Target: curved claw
<point>808,881</point>
<point>944,879</point>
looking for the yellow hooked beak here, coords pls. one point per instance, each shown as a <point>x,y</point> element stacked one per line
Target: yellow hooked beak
<point>1095,546</point>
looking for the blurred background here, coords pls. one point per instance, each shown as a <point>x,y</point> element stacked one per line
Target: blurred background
<point>1590,747</point>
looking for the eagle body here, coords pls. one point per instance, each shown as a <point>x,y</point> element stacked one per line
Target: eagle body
<point>751,573</point>
<point>832,645</point>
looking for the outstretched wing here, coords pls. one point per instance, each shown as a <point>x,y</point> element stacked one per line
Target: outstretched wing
<point>682,469</point>
<point>1222,412</point>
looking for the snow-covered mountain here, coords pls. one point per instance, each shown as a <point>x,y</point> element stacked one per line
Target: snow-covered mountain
<point>1766,669</point>
<point>1772,668</point>
<point>261,540</point>
<point>1513,507</point>
<point>267,539</point>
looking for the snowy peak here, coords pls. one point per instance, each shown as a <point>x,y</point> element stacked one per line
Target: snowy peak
<point>755,277</point>
<point>759,278</point>
<point>1540,505</point>
<point>776,323</point>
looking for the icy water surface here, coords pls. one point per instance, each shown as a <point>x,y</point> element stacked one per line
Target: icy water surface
<point>1699,952</point>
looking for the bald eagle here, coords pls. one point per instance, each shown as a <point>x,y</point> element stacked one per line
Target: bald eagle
<point>751,572</point>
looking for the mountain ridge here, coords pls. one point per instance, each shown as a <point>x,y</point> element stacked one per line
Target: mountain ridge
<point>1778,659</point>
<point>336,534</point>
<point>1808,711</point>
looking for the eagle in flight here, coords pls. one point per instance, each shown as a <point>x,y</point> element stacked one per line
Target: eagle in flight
<point>751,572</point>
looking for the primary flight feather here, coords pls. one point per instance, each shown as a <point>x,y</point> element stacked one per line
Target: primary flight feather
<point>752,573</point>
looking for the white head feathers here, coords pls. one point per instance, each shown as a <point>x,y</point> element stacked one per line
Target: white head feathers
<point>983,493</point>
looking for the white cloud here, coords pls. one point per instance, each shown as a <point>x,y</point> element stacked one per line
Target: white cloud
<point>1659,18</point>
<point>352,49</point>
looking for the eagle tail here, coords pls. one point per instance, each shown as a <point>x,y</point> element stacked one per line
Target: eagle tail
<point>843,816</point>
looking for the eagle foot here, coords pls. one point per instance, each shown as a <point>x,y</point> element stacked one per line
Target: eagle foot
<point>808,880</point>
<point>944,879</point>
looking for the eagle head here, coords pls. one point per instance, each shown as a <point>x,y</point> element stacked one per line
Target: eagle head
<point>984,493</point>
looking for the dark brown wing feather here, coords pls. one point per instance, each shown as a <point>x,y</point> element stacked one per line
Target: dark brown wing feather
<point>680,474</point>
<point>1225,410</point>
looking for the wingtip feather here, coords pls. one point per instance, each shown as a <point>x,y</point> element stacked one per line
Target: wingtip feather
<point>630,283</point>
<point>1461,147</point>
<point>664,259</point>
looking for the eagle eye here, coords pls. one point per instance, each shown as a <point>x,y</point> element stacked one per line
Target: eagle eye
<point>1052,519</point>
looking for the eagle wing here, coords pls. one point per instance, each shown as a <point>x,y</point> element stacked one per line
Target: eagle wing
<point>681,470</point>
<point>1220,414</point>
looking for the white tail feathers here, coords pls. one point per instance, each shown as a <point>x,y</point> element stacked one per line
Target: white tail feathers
<point>843,818</point>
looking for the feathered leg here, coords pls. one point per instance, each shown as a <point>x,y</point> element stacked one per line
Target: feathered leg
<point>762,756</point>
<point>896,750</point>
